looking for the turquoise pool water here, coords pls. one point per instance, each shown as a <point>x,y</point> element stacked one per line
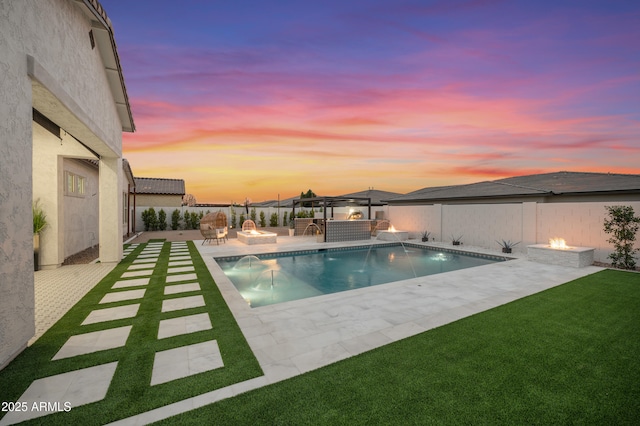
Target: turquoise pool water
<point>279,277</point>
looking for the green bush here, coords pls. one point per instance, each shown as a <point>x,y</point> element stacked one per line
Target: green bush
<point>273,220</point>
<point>162,220</point>
<point>175,219</point>
<point>253,214</point>
<point>233,217</point>
<point>150,219</point>
<point>195,220</point>
<point>623,224</point>
<point>187,219</point>
<point>263,220</point>
<point>39,217</point>
<point>242,219</point>
<point>285,222</point>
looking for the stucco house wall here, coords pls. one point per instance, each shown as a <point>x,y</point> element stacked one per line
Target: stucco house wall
<point>47,63</point>
<point>156,201</point>
<point>81,210</point>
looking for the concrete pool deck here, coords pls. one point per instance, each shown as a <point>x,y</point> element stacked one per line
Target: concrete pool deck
<point>295,337</point>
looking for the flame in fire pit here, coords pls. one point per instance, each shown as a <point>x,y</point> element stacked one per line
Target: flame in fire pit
<point>392,229</point>
<point>254,232</point>
<point>558,243</point>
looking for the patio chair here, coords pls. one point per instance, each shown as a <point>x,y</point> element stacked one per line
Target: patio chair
<point>248,226</point>
<point>214,225</point>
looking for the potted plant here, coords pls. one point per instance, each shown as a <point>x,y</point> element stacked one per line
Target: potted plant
<point>425,236</point>
<point>39,223</point>
<point>456,241</point>
<point>507,245</point>
<point>292,227</point>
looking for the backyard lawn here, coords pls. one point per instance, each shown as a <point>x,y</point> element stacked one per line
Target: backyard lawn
<point>568,355</point>
<point>129,391</point>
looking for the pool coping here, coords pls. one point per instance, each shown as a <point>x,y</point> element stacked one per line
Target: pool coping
<point>342,248</point>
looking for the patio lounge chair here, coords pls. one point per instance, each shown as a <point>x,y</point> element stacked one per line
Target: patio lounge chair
<point>214,225</point>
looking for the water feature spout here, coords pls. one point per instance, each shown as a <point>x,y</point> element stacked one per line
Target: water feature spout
<point>404,248</point>
<point>312,224</point>
<point>248,262</point>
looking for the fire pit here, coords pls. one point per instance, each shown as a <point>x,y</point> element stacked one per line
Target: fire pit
<point>257,237</point>
<point>392,234</point>
<point>557,252</point>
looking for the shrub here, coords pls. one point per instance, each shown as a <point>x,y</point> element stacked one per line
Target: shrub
<point>195,220</point>
<point>242,219</point>
<point>162,220</point>
<point>285,222</point>
<point>175,219</point>
<point>263,221</point>
<point>39,217</point>
<point>150,219</point>
<point>187,219</point>
<point>273,220</point>
<point>623,224</point>
<point>233,217</point>
<point>253,214</point>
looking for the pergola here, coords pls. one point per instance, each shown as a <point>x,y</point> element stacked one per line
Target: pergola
<point>327,202</point>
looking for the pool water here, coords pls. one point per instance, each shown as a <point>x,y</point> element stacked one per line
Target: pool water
<point>279,277</point>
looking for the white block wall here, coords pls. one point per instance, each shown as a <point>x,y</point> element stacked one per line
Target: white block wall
<point>580,224</point>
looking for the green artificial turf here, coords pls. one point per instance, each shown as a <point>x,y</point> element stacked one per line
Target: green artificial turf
<point>568,355</point>
<point>130,391</point>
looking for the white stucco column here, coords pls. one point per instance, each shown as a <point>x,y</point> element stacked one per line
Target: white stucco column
<point>110,220</point>
<point>46,190</point>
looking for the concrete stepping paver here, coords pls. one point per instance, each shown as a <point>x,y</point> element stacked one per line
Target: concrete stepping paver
<point>143,260</point>
<point>182,303</point>
<point>182,277</point>
<point>180,263</point>
<point>147,256</point>
<point>111,314</point>
<point>184,325</point>
<point>174,258</point>
<point>141,266</point>
<point>131,283</point>
<point>75,387</point>
<point>185,361</point>
<point>119,296</point>
<point>180,269</point>
<point>141,273</point>
<point>181,288</point>
<point>82,344</point>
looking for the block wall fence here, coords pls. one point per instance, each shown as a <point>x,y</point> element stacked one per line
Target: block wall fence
<point>580,224</point>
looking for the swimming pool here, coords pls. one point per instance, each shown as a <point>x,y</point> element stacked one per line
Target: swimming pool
<point>272,278</point>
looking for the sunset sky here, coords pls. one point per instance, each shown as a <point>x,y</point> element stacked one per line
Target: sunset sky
<point>260,98</point>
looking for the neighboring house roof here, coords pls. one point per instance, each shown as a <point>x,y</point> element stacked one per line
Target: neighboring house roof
<point>288,203</point>
<point>546,184</point>
<point>375,195</point>
<point>159,186</point>
<point>102,31</point>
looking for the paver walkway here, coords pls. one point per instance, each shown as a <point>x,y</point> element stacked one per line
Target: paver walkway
<point>57,290</point>
<point>181,291</point>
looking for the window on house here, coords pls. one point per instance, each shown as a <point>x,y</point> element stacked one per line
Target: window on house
<point>76,185</point>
